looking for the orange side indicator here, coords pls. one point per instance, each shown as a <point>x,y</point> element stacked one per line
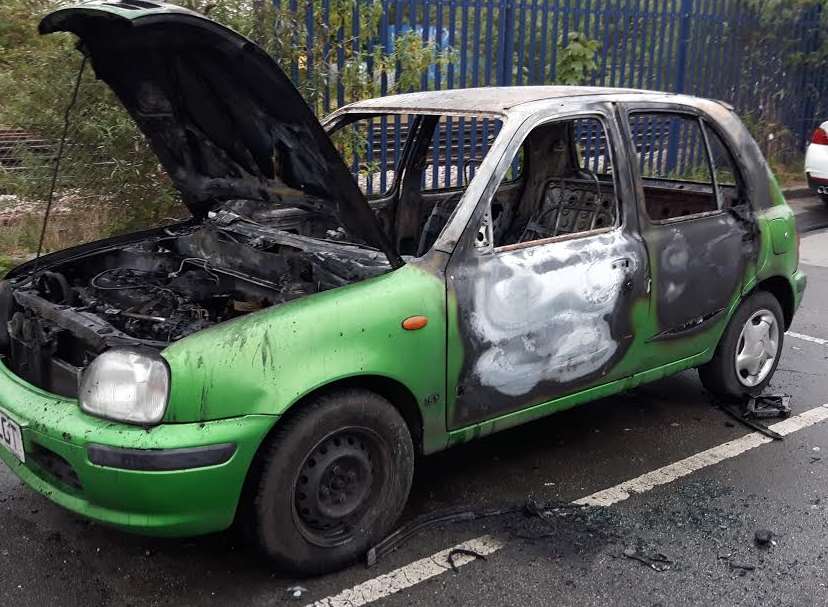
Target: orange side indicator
<point>412,323</point>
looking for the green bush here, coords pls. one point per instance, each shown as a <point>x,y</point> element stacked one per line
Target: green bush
<point>108,177</point>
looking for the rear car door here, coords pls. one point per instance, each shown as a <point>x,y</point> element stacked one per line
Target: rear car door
<point>696,222</point>
<point>547,282</point>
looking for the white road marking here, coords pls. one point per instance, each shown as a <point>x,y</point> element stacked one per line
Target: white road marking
<point>409,575</point>
<point>816,340</point>
<point>437,564</point>
<point>671,472</point>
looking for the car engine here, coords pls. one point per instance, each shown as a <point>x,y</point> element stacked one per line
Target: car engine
<point>161,288</point>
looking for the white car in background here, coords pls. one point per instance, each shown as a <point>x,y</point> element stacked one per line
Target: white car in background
<point>816,162</point>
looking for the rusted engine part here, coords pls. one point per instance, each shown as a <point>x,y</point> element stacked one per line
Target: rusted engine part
<point>160,290</point>
<point>184,284</point>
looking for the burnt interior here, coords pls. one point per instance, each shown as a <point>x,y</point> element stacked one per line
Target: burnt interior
<point>564,185</point>
<point>152,291</point>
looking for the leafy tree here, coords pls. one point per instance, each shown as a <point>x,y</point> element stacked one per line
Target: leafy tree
<point>108,174</point>
<point>576,59</point>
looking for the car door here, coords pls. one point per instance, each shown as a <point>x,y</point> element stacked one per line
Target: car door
<point>546,289</point>
<point>696,223</point>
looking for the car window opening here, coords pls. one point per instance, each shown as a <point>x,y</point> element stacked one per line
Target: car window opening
<point>441,155</point>
<point>678,161</point>
<point>560,183</point>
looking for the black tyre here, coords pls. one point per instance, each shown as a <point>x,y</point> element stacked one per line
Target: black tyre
<point>331,481</point>
<point>824,198</point>
<point>749,350</point>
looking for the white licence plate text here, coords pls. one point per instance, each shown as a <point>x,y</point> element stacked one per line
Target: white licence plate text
<point>11,437</point>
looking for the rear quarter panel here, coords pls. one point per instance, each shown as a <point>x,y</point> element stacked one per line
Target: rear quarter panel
<point>775,233</point>
<point>778,250</point>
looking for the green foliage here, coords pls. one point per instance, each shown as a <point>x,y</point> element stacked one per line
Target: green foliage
<point>773,24</point>
<point>6,264</point>
<point>331,61</point>
<point>768,116</point>
<point>576,58</point>
<point>106,162</point>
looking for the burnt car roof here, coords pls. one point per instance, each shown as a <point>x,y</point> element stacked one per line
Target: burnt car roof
<point>495,100</point>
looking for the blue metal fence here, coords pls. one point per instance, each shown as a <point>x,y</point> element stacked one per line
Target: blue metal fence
<point>722,49</point>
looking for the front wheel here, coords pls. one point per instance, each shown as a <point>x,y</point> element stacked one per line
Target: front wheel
<point>749,350</point>
<point>333,480</point>
<point>824,199</point>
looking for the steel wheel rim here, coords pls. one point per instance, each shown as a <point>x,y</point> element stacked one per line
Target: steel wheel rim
<point>337,484</point>
<point>757,348</point>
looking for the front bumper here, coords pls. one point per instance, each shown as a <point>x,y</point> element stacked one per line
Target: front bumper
<point>142,494</point>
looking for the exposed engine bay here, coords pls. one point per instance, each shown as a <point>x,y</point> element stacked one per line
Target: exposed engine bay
<point>157,290</point>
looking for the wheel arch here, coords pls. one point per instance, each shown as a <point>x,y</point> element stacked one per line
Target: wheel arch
<point>394,391</point>
<point>781,288</point>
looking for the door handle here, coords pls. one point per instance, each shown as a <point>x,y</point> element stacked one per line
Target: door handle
<point>625,264</point>
<point>621,262</point>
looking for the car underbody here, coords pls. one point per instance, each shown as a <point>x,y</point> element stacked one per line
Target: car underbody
<point>159,289</point>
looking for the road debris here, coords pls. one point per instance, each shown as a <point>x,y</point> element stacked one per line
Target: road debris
<point>768,405</point>
<point>398,537</point>
<point>740,567</point>
<point>548,510</point>
<point>462,552</point>
<point>764,538</point>
<point>296,592</point>
<point>532,507</point>
<point>761,407</point>
<point>655,561</point>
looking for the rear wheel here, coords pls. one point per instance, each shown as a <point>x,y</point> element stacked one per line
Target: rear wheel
<point>333,480</point>
<point>824,198</point>
<point>749,350</point>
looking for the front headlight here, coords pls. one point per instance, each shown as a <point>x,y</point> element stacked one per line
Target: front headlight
<point>126,385</point>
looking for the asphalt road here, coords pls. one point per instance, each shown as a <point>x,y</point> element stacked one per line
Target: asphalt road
<point>703,522</point>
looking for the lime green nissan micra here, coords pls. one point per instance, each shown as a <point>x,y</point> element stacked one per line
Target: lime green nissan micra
<point>477,260</point>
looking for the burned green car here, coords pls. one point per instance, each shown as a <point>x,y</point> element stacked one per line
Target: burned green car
<point>481,259</point>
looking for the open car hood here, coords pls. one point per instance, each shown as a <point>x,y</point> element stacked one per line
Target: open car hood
<point>224,120</point>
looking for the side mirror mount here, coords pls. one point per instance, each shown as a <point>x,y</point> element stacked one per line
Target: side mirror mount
<point>483,239</point>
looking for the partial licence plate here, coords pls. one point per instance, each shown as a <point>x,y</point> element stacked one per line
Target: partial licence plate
<point>11,437</point>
